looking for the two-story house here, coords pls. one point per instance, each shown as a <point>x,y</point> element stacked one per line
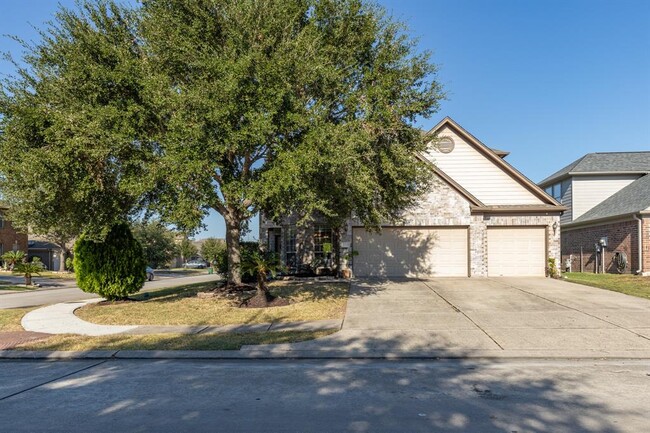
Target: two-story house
<point>10,239</point>
<point>482,218</point>
<point>607,196</point>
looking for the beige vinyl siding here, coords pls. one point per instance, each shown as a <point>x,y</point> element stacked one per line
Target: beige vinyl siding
<point>516,252</point>
<point>567,201</point>
<point>411,252</point>
<point>479,175</point>
<point>588,191</point>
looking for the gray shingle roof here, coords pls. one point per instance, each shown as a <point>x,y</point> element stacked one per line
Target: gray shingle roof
<point>625,162</point>
<point>632,199</point>
<point>41,245</point>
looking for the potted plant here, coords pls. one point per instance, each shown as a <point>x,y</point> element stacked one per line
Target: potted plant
<point>345,271</point>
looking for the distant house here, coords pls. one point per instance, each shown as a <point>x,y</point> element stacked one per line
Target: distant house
<point>48,252</point>
<point>607,196</point>
<point>482,218</point>
<point>10,239</point>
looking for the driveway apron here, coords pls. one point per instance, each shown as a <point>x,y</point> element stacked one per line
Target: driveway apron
<point>461,316</point>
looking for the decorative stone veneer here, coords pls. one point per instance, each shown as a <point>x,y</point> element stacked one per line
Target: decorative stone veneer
<point>443,206</point>
<point>621,236</point>
<point>479,241</point>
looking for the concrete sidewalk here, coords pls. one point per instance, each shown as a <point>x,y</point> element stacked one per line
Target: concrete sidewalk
<point>60,319</point>
<point>447,318</point>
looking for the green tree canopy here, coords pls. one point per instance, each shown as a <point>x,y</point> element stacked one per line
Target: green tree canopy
<point>286,105</point>
<point>213,250</point>
<point>187,106</point>
<point>157,240</point>
<point>74,126</point>
<point>187,249</point>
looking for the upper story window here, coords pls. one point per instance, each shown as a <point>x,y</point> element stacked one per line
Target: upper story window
<point>555,191</point>
<point>2,222</point>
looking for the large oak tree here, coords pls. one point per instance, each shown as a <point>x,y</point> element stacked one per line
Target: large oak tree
<point>230,105</point>
<point>74,126</point>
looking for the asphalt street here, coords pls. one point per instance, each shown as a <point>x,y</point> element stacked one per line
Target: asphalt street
<point>69,292</point>
<point>324,396</point>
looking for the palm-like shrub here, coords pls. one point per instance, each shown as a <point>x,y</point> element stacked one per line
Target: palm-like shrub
<point>12,258</point>
<point>29,269</point>
<point>114,268</point>
<point>260,265</point>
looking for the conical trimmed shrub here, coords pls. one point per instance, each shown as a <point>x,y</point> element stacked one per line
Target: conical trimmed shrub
<point>114,268</point>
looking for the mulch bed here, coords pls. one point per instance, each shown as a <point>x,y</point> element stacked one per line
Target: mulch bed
<point>260,302</point>
<point>246,294</point>
<point>10,340</point>
<point>118,301</point>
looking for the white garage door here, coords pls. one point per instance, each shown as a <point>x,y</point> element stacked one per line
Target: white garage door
<point>519,251</point>
<point>410,252</point>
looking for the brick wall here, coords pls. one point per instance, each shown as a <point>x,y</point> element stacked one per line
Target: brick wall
<point>621,236</point>
<point>9,236</point>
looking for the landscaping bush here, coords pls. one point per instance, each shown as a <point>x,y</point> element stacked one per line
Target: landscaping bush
<point>247,248</point>
<point>69,264</point>
<point>114,268</point>
<point>214,251</point>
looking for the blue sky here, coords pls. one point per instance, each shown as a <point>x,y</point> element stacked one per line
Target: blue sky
<point>546,80</point>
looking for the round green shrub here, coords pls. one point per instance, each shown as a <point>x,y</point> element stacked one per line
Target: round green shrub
<point>114,268</point>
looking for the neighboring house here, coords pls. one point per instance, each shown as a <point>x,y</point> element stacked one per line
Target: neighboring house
<point>607,196</point>
<point>10,239</point>
<point>48,252</point>
<point>482,218</point>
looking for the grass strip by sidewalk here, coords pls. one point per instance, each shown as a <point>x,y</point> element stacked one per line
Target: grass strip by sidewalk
<point>10,319</point>
<point>10,287</point>
<point>171,341</point>
<point>634,285</point>
<point>181,306</point>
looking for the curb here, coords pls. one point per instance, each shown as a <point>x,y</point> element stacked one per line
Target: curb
<point>306,355</point>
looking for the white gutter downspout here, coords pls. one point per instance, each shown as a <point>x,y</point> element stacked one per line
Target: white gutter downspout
<point>640,231</point>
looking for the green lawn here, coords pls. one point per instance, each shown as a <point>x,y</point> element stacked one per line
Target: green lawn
<point>181,306</point>
<point>629,284</point>
<point>182,271</point>
<point>5,285</point>
<point>10,319</point>
<point>17,288</point>
<point>45,274</point>
<point>171,341</point>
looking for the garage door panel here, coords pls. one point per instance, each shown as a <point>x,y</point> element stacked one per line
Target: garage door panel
<point>516,251</point>
<point>411,252</point>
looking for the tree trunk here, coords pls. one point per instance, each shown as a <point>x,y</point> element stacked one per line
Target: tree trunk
<point>28,280</point>
<point>336,250</point>
<point>262,290</point>
<point>63,253</point>
<point>233,232</point>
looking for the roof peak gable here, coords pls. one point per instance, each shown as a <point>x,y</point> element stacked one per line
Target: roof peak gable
<point>494,157</point>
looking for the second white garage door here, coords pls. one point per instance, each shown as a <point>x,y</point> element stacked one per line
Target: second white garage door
<point>411,252</point>
<point>519,251</point>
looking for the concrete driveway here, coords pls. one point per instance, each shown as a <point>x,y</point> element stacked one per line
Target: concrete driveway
<point>489,317</point>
